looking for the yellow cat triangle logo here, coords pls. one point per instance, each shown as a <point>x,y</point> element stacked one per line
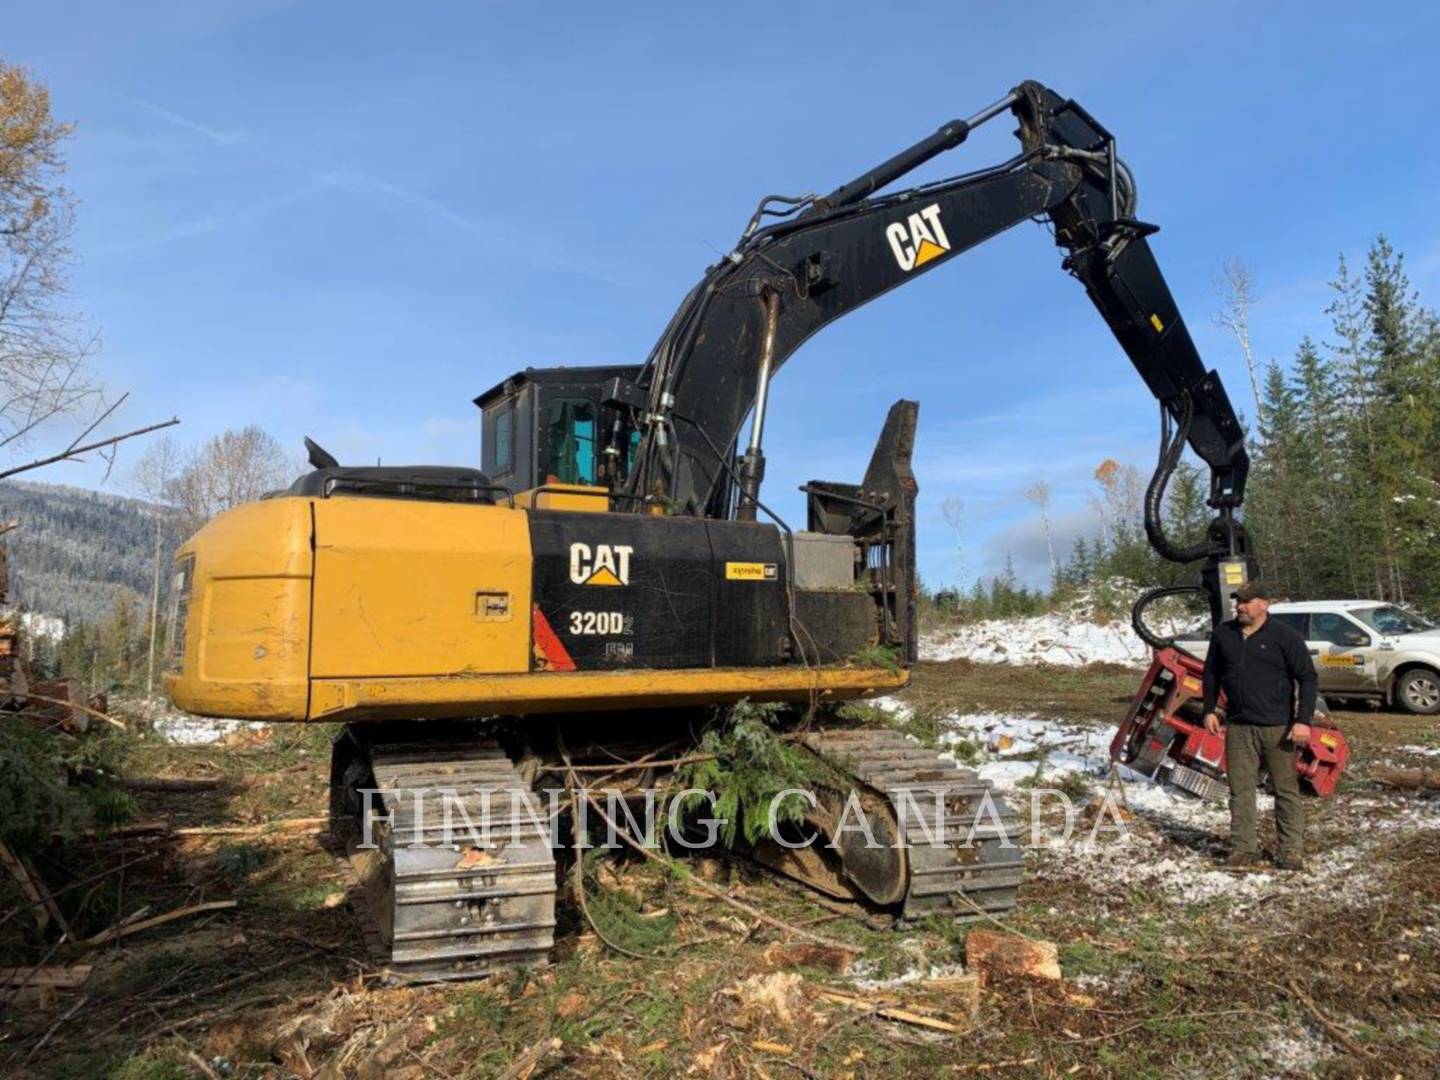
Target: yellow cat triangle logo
<point>927,252</point>
<point>603,576</point>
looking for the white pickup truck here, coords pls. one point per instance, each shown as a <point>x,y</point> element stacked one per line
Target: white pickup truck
<point>1362,649</point>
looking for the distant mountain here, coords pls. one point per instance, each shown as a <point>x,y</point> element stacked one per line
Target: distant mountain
<point>76,551</point>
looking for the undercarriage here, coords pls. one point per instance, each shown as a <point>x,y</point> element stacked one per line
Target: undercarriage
<point>456,835</point>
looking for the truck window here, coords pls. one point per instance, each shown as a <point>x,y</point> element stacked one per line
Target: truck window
<point>1296,620</point>
<point>1392,620</point>
<point>1336,629</point>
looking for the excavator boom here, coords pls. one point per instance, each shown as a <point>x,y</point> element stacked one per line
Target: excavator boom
<point>827,256</point>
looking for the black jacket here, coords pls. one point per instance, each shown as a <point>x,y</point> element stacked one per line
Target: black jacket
<point>1259,674</point>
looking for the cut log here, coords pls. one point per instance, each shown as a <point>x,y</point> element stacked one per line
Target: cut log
<point>66,978</point>
<point>1407,779</point>
<point>993,955</point>
<point>807,954</point>
<point>283,825</point>
<point>960,993</point>
<point>125,930</point>
<point>889,1012</point>
<point>41,904</point>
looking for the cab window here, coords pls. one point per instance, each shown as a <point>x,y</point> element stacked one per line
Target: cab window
<point>1336,629</point>
<point>500,427</point>
<point>570,441</point>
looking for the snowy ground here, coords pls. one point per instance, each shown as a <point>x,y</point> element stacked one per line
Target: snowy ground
<point>1073,637</point>
<point>1172,841</point>
<point>1048,639</point>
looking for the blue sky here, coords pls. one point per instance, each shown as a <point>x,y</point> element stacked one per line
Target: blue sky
<point>348,220</point>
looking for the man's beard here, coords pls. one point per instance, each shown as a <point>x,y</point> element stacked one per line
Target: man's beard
<point>1244,618</point>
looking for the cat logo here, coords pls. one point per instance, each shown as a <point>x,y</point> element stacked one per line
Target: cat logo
<point>608,564</point>
<point>916,241</point>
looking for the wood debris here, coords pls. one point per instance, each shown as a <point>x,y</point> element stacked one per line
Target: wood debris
<point>42,905</point>
<point>1401,779</point>
<point>62,977</point>
<point>125,929</point>
<point>529,1060</point>
<point>993,955</point>
<point>172,783</point>
<point>889,1012</point>
<point>807,954</point>
<point>281,826</point>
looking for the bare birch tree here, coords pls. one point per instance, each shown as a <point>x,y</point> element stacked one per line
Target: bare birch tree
<point>232,468</point>
<point>954,510</point>
<point>1237,296</point>
<point>154,475</point>
<point>44,348</point>
<point>1038,494</point>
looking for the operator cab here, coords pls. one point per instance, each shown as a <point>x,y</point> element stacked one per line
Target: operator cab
<point>548,427</point>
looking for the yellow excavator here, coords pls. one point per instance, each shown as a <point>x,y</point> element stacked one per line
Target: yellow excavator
<point>611,570</point>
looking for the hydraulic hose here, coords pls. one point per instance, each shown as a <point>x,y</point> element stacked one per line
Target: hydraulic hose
<point>1137,614</point>
<point>1170,450</point>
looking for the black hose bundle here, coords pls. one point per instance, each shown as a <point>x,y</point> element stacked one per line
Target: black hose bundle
<point>1148,597</point>
<point>1172,445</point>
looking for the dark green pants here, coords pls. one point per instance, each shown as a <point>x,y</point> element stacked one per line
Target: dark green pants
<point>1246,747</point>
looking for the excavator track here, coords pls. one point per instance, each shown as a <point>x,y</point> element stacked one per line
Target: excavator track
<point>959,855</point>
<point>445,902</point>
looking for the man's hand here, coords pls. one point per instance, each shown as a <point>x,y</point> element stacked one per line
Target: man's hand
<point>1299,734</point>
<point>1212,723</point>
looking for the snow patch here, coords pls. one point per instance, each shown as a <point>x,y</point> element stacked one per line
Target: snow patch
<point>1293,1051</point>
<point>1063,639</point>
<point>1081,633</point>
<point>172,725</point>
<point>34,625</point>
<point>1173,840</point>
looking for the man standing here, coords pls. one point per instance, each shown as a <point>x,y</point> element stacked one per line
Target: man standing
<point>1259,662</point>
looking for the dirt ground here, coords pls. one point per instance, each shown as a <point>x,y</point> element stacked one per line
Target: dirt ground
<point>1171,968</point>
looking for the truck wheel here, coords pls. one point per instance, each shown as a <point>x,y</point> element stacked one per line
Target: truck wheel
<point>1418,691</point>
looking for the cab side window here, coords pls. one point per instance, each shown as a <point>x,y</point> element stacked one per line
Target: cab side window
<point>500,437</point>
<point>1336,629</point>
<point>1298,621</point>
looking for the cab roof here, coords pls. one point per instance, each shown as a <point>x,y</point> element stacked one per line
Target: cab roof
<point>1326,605</point>
<point>597,373</point>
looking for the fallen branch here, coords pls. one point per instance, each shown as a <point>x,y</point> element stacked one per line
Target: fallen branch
<point>530,1059</point>
<point>1335,1031</point>
<point>890,1012</point>
<point>144,827</point>
<point>1173,1014</point>
<point>56,1026</point>
<point>66,977</point>
<point>241,980</point>
<point>201,1064</point>
<point>171,783</point>
<point>283,825</point>
<point>119,931</point>
<point>76,705</point>
<point>40,902</point>
<point>988,1066</point>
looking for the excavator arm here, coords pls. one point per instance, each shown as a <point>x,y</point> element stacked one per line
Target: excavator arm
<point>819,258</point>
